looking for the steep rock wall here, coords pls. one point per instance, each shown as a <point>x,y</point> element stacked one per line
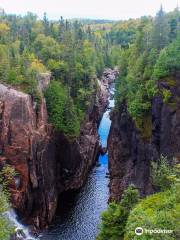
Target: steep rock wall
<point>26,144</point>
<point>131,154</point>
<point>46,162</point>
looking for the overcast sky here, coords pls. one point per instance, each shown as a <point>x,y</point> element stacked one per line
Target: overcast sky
<point>107,9</point>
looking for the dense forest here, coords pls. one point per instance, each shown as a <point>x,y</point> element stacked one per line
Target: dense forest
<point>152,56</point>
<point>71,52</point>
<point>75,53</point>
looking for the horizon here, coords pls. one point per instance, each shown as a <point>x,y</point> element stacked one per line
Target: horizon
<point>116,11</point>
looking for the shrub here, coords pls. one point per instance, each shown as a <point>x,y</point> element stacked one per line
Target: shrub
<point>159,211</point>
<point>61,110</point>
<point>163,174</point>
<point>6,176</point>
<point>6,229</point>
<point>169,60</point>
<point>115,217</point>
<point>166,95</point>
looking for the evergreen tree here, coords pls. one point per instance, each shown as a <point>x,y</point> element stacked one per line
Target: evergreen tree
<point>161,30</point>
<point>46,25</point>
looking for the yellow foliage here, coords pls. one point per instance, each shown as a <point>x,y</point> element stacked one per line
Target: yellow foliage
<point>4,29</point>
<point>144,124</point>
<point>37,66</point>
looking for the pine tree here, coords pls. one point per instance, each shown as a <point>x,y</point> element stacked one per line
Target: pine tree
<point>174,24</point>
<point>161,30</point>
<point>46,25</point>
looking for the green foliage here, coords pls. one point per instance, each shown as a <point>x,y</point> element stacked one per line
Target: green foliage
<point>59,69</point>
<point>46,47</point>
<point>159,211</point>
<point>169,60</point>
<point>144,49</point>
<point>61,110</point>
<point>6,176</point>
<point>73,53</point>
<point>123,32</point>
<point>115,217</point>
<point>166,95</point>
<point>145,126</point>
<point>163,174</point>
<point>151,56</point>
<point>6,229</point>
<point>161,30</point>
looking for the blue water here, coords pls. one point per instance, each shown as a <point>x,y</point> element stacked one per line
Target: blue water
<point>79,214</point>
<point>104,128</point>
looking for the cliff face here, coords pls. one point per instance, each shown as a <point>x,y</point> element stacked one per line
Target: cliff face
<point>77,156</point>
<point>26,144</point>
<point>131,154</point>
<point>46,162</point>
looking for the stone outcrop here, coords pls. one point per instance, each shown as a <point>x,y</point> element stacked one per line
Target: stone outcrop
<point>44,80</point>
<point>27,145</point>
<point>46,162</point>
<point>131,153</point>
<point>109,76</point>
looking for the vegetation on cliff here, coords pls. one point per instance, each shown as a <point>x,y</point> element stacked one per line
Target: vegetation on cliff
<point>73,53</point>
<point>154,54</point>
<point>6,228</point>
<point>76,52</point>
<point>151,56</point>
<point>158,211</point>
<point>115,217</point>
<point>61,109</point>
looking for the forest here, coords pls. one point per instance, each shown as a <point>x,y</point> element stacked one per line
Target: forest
<point>75,53</point>
<point>152,56</point>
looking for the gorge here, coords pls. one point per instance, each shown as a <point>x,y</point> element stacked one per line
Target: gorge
<point>89,127</point>
<point>64,164</point>
<point>79,212</point>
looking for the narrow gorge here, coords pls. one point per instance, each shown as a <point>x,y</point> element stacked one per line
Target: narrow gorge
<point>49,165</point>
<point>89,126</point>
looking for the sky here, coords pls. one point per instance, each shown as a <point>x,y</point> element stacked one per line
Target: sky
<point>97,9</point>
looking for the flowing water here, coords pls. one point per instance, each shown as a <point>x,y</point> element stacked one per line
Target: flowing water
<point>22,232</point>
<point>79,216</point>
<point>80,213</point>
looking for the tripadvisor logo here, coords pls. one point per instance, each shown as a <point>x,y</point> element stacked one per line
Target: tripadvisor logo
<point>139,231</point>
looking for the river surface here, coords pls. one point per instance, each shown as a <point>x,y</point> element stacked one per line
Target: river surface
<point>80,214</point>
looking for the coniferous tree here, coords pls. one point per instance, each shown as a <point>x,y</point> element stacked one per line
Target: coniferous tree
<point>161,30</point>
<point>46,24</point>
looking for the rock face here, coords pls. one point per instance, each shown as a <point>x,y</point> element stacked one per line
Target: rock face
<point>131,154</point>
<point>46,162</point>
<point>27,145</point>
<point>109,76</point>
<point>44,80</point>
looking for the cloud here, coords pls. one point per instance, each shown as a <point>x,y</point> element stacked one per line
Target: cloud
<point>109,9</point>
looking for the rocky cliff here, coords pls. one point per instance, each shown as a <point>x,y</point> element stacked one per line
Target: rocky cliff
<point>131,150</point>
<point>46,162</point>
<point>27,144</point>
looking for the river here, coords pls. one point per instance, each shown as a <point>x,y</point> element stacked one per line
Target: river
<point>79,216</point>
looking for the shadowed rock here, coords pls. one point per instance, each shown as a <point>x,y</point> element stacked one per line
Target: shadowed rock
<point>131,154</point>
